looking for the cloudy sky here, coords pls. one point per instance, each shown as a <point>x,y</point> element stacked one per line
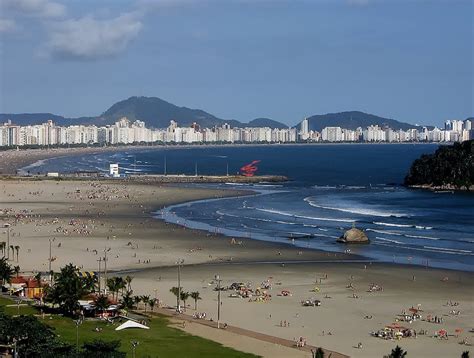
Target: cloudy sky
<point>410,60</point>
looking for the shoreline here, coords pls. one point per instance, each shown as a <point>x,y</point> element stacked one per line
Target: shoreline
<point>85,217</point>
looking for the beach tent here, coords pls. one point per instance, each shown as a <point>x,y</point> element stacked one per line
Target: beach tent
<point>131,324</point>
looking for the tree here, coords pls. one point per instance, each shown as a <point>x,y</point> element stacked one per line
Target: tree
<point>184,297</point>
<point>137,300</point>
<point>6,271</point>
<point>102,349</point>
<point>319,353</point>
<point>13,251</point>
<point>152,303</point>
<point>69,287</point>
<point>16,269</point>
<point>127,300</point>
<point>33,338</point>
<point>397,352</point>
<point>465,354</point>
<point>128,281</point>
<point>102,303</point>
<point>17,249</point>
<point>195,296</point>
<point>146,300</point>
<point>3,245</point>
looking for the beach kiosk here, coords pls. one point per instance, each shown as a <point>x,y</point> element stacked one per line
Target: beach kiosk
<point>114,170</point>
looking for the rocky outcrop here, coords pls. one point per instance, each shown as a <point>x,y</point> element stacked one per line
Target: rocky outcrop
<point>354,236</point>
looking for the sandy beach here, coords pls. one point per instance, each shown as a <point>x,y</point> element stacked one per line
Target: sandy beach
<point>82,219</point>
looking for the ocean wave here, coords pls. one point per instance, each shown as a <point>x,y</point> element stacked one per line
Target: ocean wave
<point>385,232</point>
<point>283,213</point>
<point>403,225</point>
<point>361,211</point>
<point>389,240</point>
<point>435,250</point>
<point>447,249</point>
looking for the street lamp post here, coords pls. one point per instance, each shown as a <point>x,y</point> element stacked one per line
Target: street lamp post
<point>77,322</point>
<point>7,226</point>
<point>105,269</point>
<point>50,259</point>
<point>218,279</point>
<point>134,347</point>
<point>178,297</point>
<point>98,274</point>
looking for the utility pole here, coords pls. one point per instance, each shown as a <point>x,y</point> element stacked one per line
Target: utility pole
<point>7,226</point>
<point>50,259</point>
<point>178,298</point>
<point>105,269</point>
<point>98,274</point>
<point>218,279</point>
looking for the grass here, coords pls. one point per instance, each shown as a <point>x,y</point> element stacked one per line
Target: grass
<point>160,340</point>
<point>11,308</point>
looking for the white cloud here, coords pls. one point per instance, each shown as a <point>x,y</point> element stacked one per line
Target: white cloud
<point>7,25</point>
<point>38,8</point>
<point>88,38</point>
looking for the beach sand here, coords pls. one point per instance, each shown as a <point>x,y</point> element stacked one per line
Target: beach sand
<point>83,216</point>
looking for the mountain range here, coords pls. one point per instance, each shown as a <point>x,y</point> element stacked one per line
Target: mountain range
<point>157,113</point>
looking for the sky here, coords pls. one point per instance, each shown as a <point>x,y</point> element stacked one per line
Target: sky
<point>411,60</point>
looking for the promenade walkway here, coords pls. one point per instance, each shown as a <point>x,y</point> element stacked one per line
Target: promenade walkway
<point>248,333</point>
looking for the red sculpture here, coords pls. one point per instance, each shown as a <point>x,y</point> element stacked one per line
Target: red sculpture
<point>249,170</point>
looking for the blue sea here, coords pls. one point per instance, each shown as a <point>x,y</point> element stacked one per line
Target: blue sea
<point>331,188</point>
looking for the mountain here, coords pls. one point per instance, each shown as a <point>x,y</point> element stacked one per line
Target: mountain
<point>265,122</point>
<point>157,113</point>
<point>353,120</point>
<point>154,111</point>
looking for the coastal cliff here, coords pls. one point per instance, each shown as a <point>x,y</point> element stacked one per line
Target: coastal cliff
<point>449,168</point>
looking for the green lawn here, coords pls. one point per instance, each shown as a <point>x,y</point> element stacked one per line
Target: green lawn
<point>12,309</point>
<point>160,340</point>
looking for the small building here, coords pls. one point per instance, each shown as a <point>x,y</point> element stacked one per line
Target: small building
<point>27,287</point>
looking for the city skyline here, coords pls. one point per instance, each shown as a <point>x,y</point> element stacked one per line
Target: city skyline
<point>242,60</point>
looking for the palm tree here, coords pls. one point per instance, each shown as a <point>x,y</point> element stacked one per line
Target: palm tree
<point>3,244</point>
<point>184,297</point>
<point>319,353</point>
<point>465,354</point>
<point>102,303</point>
<point>146,300</point>
<point>195,296</point>
<point>151,303</point>
<point>16,269</point>
<point>17,249</point>
<point>397,352</point>
<point>128,281</point>
<point>137,300</point>
<point>13,250</point>
<point>127,300</point>
<point>6,271</point>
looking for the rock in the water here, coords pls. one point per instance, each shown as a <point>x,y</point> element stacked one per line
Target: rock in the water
<point>354,236</point>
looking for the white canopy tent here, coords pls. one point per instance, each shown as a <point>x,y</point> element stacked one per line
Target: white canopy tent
<point>131,324</point>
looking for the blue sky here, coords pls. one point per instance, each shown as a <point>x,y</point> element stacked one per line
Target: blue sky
<point>241,59</point>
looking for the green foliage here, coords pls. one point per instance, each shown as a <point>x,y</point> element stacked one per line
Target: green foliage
<point>398,352</point>
<point>102,303</point>
<point>68,288</point>
<point>6,271</point>
<point>127,300</point>
<point>102,349</point>
<point>319,353</point>
<point>33,338</point>
<point>465,354</point>
<point>449,165</point>
<point>195,296</point>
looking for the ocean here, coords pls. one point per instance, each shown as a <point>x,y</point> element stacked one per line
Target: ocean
<point>331,188</point>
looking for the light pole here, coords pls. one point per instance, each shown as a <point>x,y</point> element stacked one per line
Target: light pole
<point>105,269</point>
<point>7,226</point>
<point>77,322</point>
<point>178,297</point>
<point>218,279</point>
<point>50,259</point>
<point>98,274</point>
<point>134,347</point>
